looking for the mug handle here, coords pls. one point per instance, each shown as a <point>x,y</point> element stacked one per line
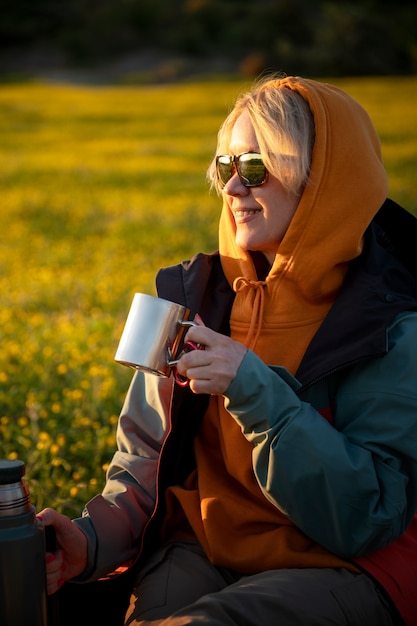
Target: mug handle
<point>173,361</point>
<point>183,381</point>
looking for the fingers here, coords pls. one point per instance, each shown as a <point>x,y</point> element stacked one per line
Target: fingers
<point>201,335</point>
<point>54,557</point>
<point>210,370</point>
<point>70,557</point>
<point>50,517</point>
<point>55,568</point>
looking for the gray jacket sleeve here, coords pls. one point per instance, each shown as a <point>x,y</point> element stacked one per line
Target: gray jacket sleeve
<point>114,521</point>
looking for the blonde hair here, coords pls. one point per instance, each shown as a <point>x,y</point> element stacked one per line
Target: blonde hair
<point>284,127</point>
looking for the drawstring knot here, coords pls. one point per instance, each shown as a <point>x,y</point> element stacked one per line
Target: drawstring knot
<point>239,284</point>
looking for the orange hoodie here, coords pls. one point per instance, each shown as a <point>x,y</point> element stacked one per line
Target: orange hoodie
<point>221,504</point>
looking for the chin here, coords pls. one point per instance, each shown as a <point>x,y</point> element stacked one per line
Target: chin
<point>245,243</point>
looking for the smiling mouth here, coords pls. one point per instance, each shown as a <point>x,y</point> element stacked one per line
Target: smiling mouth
<point>242,213</point>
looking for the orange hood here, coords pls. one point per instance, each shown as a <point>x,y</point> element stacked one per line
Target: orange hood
<point>347,185</point>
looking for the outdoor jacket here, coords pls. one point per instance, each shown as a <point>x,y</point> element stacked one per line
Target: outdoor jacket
<point>350,413</point>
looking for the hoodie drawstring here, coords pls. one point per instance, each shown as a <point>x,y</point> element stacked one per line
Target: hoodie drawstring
<point>239,284</point>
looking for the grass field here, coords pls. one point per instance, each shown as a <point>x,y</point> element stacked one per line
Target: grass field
<point>100,186</point>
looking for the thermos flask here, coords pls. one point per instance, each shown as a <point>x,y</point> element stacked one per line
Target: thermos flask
<point>23,599</point>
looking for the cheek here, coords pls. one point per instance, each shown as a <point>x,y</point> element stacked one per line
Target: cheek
<point>279,217</point>
<point>281,206</point>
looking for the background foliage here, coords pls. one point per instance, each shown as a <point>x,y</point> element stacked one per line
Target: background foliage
<point>322,37</point>
<point>100,187</point>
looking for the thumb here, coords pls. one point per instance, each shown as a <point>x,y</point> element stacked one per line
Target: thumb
<point>198,320</point>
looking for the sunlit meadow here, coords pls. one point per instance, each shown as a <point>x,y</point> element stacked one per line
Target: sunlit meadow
<point>100,186</point>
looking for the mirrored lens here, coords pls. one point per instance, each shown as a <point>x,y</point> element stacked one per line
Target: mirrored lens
<point>250,168</point>
<point>224,168</point>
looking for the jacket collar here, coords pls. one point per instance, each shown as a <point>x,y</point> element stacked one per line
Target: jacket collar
<point>380,284</point>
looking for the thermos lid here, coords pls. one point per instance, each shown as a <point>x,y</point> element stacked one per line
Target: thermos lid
<point>11,471</point>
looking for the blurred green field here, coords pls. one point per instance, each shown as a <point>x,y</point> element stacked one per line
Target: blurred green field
<point>99,188</point>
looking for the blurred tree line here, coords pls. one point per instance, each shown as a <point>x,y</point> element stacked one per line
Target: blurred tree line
<point>327,37</point>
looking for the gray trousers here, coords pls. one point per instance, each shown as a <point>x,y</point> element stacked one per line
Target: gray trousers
<point>179,586</point>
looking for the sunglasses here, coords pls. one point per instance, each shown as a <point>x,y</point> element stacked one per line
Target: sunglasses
<point>248,165</point>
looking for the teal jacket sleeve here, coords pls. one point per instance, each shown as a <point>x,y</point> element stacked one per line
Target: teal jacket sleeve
<point>352,485</point>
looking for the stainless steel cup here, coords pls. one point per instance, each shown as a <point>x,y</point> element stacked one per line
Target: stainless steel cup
<point>152,337</point>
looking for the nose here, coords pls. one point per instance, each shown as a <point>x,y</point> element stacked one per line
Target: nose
<point>235,187</point>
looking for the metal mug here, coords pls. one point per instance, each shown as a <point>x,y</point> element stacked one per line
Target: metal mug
<point>152,337</point>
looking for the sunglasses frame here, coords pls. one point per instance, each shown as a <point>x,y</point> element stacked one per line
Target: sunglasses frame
<point>235,161</point>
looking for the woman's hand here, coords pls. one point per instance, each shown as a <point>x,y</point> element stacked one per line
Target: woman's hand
<point>210,370</point>
<point>70,558</point>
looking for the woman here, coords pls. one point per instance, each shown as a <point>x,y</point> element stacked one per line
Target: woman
<point>280,487</point>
